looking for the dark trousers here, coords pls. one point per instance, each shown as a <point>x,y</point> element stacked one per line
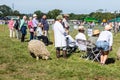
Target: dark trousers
<point>44,39</point>
<point>31,35</point>
<point>23,38</point>
<point>35,28</point>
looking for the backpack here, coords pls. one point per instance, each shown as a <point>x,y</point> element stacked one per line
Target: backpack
<point>16,25</point>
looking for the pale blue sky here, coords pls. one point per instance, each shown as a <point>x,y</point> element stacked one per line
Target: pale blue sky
<point>67,6</point>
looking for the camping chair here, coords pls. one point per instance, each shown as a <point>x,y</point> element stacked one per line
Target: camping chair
<point>91,49</point>
<point>95,52</point>
<point>82,46</point>
<point>71,45</point>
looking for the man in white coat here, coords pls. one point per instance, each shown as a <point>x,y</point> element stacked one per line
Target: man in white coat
<point>59,36</point>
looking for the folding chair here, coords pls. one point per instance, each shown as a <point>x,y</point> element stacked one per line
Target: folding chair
<point>82,46</point>
<point>95,52</point>
<point>71,45</point>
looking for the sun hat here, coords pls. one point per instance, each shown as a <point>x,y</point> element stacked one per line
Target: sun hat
<point>59,17</point>
<point>34,15</point>
<point>108,27</point>
<point>95,32</point>
<point>66,15</point>
<point>81,28</point>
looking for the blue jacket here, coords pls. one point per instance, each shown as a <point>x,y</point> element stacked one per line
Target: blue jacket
<point>45,24</point>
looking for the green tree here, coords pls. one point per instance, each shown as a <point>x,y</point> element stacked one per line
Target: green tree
<point>54,13</point>
<point>100,16</point>
<point>6,10</point>
<point>39,13</point>
<point>16,13</point>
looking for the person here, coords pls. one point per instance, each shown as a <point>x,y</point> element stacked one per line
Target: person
<point>40,35</point>
<point>11,28</point>
<point>65,22</point>
<point>94,37</point>
<point>81,36</point>
<point>35,24</point>
<point>45,25</point>
<point>23,27</point>
<point>16,26</point>
<point>104,43</point>
<point>59,37</point>
<point>92,44</point>
<point>31,28</point>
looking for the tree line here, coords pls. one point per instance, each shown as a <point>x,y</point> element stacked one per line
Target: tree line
<point>98,15</point>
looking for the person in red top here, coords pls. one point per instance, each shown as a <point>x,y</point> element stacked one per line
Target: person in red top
<point>11,28</point>
<point>31,28</point>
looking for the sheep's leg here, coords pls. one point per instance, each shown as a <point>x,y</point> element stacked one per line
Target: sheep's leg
<point>37,58</point>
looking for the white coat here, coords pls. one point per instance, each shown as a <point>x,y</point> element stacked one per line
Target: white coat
<point>59,35</point>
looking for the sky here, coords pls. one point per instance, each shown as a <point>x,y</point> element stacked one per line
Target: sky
<point>67,6</point>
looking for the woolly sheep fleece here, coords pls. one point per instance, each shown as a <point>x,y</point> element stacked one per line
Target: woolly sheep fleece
<point>39,49</point>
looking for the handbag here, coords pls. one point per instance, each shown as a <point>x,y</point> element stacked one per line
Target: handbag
<point>31,30</point>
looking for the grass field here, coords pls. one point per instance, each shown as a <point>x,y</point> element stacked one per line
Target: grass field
<point>17,64</point>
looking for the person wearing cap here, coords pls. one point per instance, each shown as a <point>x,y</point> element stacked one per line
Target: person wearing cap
<point>35,24</point>
<point>65,22</point>
<point>104,43</point>
<point>59,36</point>
<point>81,36</point>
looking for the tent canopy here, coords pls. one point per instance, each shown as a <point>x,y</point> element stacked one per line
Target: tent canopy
<point>90,19</point>
<point>115,20</point>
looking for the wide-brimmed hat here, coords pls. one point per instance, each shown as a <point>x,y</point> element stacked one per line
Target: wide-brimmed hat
<point>66,15</point>
<point>59,17</point>
<point>108,27</point>
<point>95,32</point>
<point>81,28</point>
<point>34,15</point>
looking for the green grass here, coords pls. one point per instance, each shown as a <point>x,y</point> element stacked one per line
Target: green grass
<point>17,64</point>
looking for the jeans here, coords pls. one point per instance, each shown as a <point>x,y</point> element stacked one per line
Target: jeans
<point>102,45</point>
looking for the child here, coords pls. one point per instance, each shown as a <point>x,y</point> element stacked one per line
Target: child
<point>40,35</point>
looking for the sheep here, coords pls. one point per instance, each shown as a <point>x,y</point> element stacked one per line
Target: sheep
<point>38,50</point>
<point>118,54</point>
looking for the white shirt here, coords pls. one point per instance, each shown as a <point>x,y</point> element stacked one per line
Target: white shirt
<point>66,24</point>
<point>80,36</point>
<point>39,31</point>
<point>35,22</point>
<point>70,39</point>
<point>106,36</point>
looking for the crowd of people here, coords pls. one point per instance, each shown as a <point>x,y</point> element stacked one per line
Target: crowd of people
<point>103,40</point>
<point>38,29</point>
